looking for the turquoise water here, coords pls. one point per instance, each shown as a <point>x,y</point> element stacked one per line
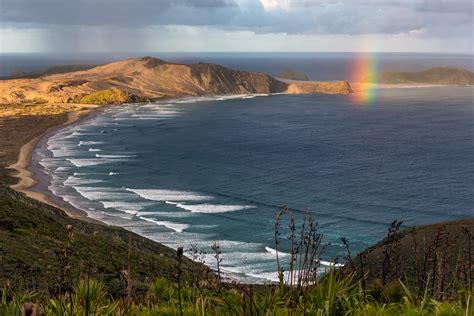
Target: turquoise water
<point>197,170</point>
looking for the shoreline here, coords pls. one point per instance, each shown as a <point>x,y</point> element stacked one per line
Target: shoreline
<point>29,174</point>
<point>33,182</point>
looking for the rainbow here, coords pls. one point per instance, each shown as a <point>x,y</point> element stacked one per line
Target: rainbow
<point>365,72</point>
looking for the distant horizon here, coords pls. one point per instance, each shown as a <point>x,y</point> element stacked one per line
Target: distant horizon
<point>140,53</point>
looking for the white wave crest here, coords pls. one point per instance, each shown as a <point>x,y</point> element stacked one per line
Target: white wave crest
<point>169,195</point>
<point>114,156</point>
<point>102,193</point>
<point>71,181</point>
<point>174,226</point>
<point>330,264</point>
<point>88,143</point>
<point>90,162</point>
<point>213,208</point>
<point>273,251</point>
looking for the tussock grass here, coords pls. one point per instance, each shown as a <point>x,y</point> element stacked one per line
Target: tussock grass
<point>302,289</point>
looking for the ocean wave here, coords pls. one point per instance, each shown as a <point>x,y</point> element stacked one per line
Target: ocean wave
<point>95,149</point>
<point>121,216</point>
<point>330,264</point>
<point>65,152</point>
<point>273,251</point>
<point>125,206</point>
<point>169,195</point>
<point>89,142</point>
<point>115,156</point>
<point>213,208</point>
<point>87,162</point>
<point>62,169</point>
<point>53,163</point>
<point>90,162</point>
<point>174,226</point>
<point>102,193</point>
<point>82,134</point>
<point>165,214</point>
<point>72,180</point>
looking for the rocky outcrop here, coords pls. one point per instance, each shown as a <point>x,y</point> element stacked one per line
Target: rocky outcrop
<point>149,78</point>
<point>315,87</point>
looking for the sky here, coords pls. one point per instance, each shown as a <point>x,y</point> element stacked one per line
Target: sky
<point>236,26</point>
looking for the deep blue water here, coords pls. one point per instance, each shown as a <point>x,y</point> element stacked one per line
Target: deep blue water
<point>193,171</point>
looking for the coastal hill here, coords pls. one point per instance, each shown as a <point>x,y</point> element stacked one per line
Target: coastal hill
<point>148,78</point>
<point>438,76</point>
<point>293,75</point>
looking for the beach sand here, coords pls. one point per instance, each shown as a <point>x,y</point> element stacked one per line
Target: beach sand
<point>24,127</point>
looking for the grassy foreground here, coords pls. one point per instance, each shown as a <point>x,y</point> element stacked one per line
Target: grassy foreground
<point>45,251</point>
<point>331,295</point>
<point>51,264</point>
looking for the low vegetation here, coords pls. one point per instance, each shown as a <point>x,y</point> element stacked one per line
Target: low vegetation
<point>438,75</point>
<point>90,269</point>
<point>45,251</point>
<point>109,96</point>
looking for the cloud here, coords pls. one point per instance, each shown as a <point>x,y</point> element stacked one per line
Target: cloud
<point>130,13</point>
<point>435,18</point>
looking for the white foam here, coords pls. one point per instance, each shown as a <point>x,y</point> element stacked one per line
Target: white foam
<point>125,206</point>
<point>330,264</point>
<point>90,162</point>
<point>64,152</point>
<point>166,214</point>
<point>88,143</point>
<point>273,251</point>
<point>127,217</point>
<point>269,276</point>
<point>171,202</point>
<point>114,156</point>
<point>62,169</point>
<point>72,180</point>
<point>213,208</point>
<point>95,149</point>
<point>102,193</point>
<point>169,195</point>
<point>82,134</point>
<point>174,226</point>
<point>230,97</point>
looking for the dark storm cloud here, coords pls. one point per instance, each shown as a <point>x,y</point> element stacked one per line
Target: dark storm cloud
<point>112,12</point>
<point>423,17</point>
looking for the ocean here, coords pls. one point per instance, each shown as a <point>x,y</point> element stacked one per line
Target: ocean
<point>192,171</point>
<point>317,66</point>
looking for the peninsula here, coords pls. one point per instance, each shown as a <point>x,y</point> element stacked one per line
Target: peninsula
<point>147,79</point>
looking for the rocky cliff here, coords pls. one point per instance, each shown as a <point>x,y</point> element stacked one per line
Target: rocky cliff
<point>315,87</point>
<point>148,78</point>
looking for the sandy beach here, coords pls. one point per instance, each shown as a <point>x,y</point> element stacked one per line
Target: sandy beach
<point>29,176</point>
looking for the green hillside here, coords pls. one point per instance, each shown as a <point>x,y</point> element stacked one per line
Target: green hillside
<point>438,75</point>
<point>36,253</point>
